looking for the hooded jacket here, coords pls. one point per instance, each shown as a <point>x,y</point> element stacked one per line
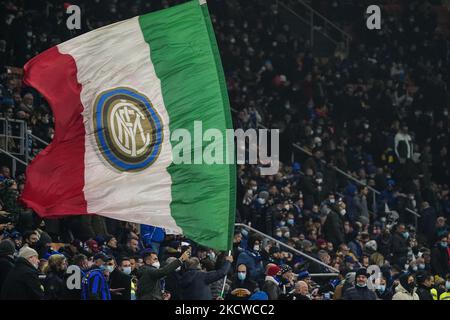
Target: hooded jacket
<point>402,294</point>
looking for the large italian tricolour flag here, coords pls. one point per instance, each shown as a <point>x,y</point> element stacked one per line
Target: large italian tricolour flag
<point>117,94</point>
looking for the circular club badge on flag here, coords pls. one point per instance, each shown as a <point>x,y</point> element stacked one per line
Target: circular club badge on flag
<point>127,128</point>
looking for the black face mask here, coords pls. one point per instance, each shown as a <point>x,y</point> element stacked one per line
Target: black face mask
<point>411,287</point>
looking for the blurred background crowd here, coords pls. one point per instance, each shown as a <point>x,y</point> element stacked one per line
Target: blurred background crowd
<point>364,179</point>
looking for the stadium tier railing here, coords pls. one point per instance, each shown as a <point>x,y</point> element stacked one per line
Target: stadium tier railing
<point>334,272</point>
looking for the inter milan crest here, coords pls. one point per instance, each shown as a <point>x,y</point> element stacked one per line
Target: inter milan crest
<point>128,130</point>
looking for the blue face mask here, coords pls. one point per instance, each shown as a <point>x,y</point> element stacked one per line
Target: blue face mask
<point>381,288</point>
<point>406,234</point>
<point>444,244</point>
<point>241,276</point>
<point>290,222</point>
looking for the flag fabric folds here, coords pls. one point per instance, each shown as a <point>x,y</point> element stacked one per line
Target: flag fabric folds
<point>117,93</point>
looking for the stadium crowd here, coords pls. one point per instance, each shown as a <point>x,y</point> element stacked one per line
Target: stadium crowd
<point>380,114</point>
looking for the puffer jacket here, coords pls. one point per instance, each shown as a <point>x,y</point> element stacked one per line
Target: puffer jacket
<point>402,294</point>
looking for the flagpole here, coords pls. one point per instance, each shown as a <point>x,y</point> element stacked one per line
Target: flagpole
<point>225,279</point>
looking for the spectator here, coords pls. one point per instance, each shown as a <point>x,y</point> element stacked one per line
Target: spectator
<point>22,282</point>
<point>252,259</point>
<point>347,283</point>
<point>400,245</point>
<point>382,292</point>
<point>272,283</point>
<point>94,285</point>
<point>80,265</point>
<point>406,289</point>
<point>150,275</point>
<point>446,295</point>
<point>172,281</point>
<point>7,251</point>
<point>110,247</point>
<point>360,204</point>
<point>424,286</point>
<point>195,283</point>
<point>403,145</point>
<point>55,283</point>
<point>242,286</point>
<point>440,257</point>
<point>301,291</point>
<point>333,227</point>
<point>360,290</point>
<point>119,280</point>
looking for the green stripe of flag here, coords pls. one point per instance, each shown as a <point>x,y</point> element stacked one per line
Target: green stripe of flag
<point>184,53</point>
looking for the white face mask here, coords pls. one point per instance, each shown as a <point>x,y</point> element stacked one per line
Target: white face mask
<point>211,255</point>
<point>127,270</point>
<point>256,247</point>
<point>178,269</point>
<point>278,234</point>
<point>343,212</point>
<point>156,264</point>
<point>110,268</point>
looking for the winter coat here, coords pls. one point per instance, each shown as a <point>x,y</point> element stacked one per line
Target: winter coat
<point>149,278</point>
<point>402,294</point>
<point>399,249</point>
<point>424,293</point>
<point>358,293</point>
<point>253,263</point>
<point>118,279</point>
<point>22,283</point>
<point>272,288</point>
<point>333,229</point>
<point>55,287</point>
<point>439,261</point>
<point>195,283</point>
<point>362,210</point>
<point>6,264</point>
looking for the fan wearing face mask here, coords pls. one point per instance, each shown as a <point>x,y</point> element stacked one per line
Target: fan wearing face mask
<point>150,276</point>
<point>242,286</point>
<point>406,289</point>
<point>446,294</point>
<point>360,291</point>
<point>120,279</point>
<point>251,257</point>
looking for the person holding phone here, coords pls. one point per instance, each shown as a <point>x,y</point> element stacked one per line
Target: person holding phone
<point>149,286</point>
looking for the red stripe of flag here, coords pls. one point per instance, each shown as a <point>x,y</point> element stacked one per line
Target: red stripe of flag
<point>55,178</point>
